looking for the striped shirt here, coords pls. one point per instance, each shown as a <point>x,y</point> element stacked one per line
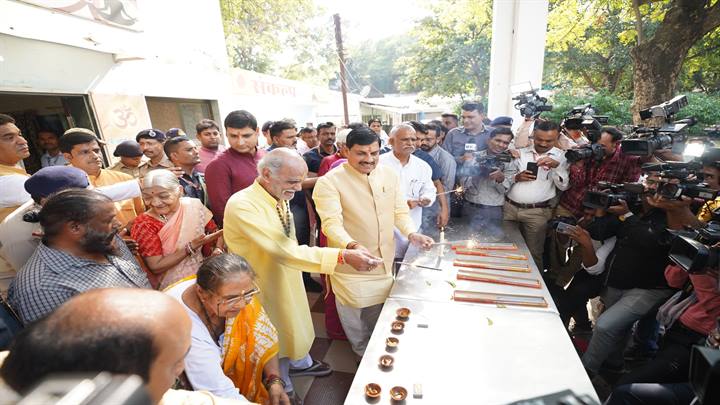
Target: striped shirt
<point>53,276</point>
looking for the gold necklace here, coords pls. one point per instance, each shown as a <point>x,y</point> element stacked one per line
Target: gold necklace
<point>285,219</point>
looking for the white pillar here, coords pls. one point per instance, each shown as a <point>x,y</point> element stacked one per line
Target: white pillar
<point>518,52</point>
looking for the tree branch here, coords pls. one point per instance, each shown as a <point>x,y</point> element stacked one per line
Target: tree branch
<point>588,80</point>
<point>703,52</point>
<point>712,20</point>
<point>638,22</point>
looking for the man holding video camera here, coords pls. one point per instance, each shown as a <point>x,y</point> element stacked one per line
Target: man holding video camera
<point>635,283</point>
<point>593,164</point>
<point>485,181</point>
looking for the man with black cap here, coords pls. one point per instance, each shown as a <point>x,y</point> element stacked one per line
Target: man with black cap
<point>151,143</point>
<point>502,121</point>
<point>20,232</point>
<point>80,251</point>
<point>130,156</point>
<point>81,148</point>
<point>17,240</point>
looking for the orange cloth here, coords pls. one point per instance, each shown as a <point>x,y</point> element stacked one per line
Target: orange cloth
<point>250,342</point>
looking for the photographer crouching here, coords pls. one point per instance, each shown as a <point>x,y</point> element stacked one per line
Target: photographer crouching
<point>690,314</point>
<point>635,283</point>
<point>485,181</point>
<point>590,165</point>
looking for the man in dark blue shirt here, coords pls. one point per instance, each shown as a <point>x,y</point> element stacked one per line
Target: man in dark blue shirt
<point>183,153</point>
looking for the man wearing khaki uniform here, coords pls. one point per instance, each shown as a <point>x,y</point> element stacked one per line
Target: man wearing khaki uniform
<point>528,200</point>
<point>359,205</point>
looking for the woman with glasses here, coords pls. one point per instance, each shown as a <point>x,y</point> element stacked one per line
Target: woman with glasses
<point>234,350</point>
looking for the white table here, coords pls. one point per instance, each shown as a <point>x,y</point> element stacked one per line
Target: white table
<point>469,353</point>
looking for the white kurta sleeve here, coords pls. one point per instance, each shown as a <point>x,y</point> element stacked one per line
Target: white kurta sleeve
<point>203,365</point>
<point>13,190</point>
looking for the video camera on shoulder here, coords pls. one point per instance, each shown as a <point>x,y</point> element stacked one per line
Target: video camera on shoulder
<point>609,194</point>
<point>585,118</point>
<point>693,251</point>
<point>530,104</point>
<point>644,141</point>
<point>688,176</point>
<point>593,151</point>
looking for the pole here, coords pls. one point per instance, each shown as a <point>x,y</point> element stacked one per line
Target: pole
<point>341,55</point>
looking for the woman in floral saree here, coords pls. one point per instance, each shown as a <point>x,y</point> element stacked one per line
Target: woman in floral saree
<point>172,233</point>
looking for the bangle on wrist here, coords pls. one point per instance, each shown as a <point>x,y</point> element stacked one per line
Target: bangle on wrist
<point>273,379</point>
<point>189,249</point>
<point>341,257</point>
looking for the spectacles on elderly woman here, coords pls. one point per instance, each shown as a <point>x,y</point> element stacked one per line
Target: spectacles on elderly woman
<point>244,298</point>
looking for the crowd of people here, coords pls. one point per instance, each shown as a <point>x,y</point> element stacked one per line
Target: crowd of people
<point>230,235</point>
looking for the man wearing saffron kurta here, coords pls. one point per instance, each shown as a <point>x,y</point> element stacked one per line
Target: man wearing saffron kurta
<point>259,227</point>
<point>359,206</point>
<point>81,148</point>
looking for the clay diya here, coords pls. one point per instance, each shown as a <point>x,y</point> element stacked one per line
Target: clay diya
<point>398,393</point>
<point>372,390</point>
<point>386,361</point>
<point>403,313</point>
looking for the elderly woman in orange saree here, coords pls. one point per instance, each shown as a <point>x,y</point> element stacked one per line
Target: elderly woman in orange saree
<point>234,350</point>
<point>172,233</point>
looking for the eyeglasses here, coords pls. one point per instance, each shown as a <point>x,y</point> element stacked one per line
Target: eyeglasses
<point>245,298</point>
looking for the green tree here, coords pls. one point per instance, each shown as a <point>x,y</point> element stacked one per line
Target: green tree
<point>660,52</point>
<point>587,46</point>
<point>451,53</point>
<point>643,49</point>
<point>275,37</point>
<point>373,63</point>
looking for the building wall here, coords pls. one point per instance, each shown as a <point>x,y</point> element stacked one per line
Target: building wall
<point>174,50</point>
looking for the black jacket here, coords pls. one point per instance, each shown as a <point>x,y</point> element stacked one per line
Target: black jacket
<point>641,252</point>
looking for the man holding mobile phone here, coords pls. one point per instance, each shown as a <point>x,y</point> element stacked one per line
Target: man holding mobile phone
<point>541,170</point>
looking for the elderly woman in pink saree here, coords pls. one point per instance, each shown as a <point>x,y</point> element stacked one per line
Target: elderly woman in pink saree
<point>175,233</point>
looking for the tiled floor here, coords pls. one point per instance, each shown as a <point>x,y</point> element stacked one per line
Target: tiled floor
<point>333,389</point>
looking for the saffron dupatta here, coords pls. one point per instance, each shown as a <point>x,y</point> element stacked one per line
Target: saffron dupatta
<point>250,342</point>
<point>186,224</point>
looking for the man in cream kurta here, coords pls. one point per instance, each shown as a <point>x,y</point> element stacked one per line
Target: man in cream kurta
<point>360,203</point>
<point>13,149</point>
<point>259,227</point>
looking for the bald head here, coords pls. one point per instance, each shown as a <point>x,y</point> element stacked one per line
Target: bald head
<point>278,158</point>
<point>401,129</point>
<point>118,308</point>
<point>122,331</point>
<point>402,139</point>
<point>281,173</point>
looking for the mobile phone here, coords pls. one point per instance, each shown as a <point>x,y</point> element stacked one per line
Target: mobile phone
<point>532,167</point>
<point>564,228</point>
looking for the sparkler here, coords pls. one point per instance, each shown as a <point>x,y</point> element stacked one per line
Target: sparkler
<point>458,190</point>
